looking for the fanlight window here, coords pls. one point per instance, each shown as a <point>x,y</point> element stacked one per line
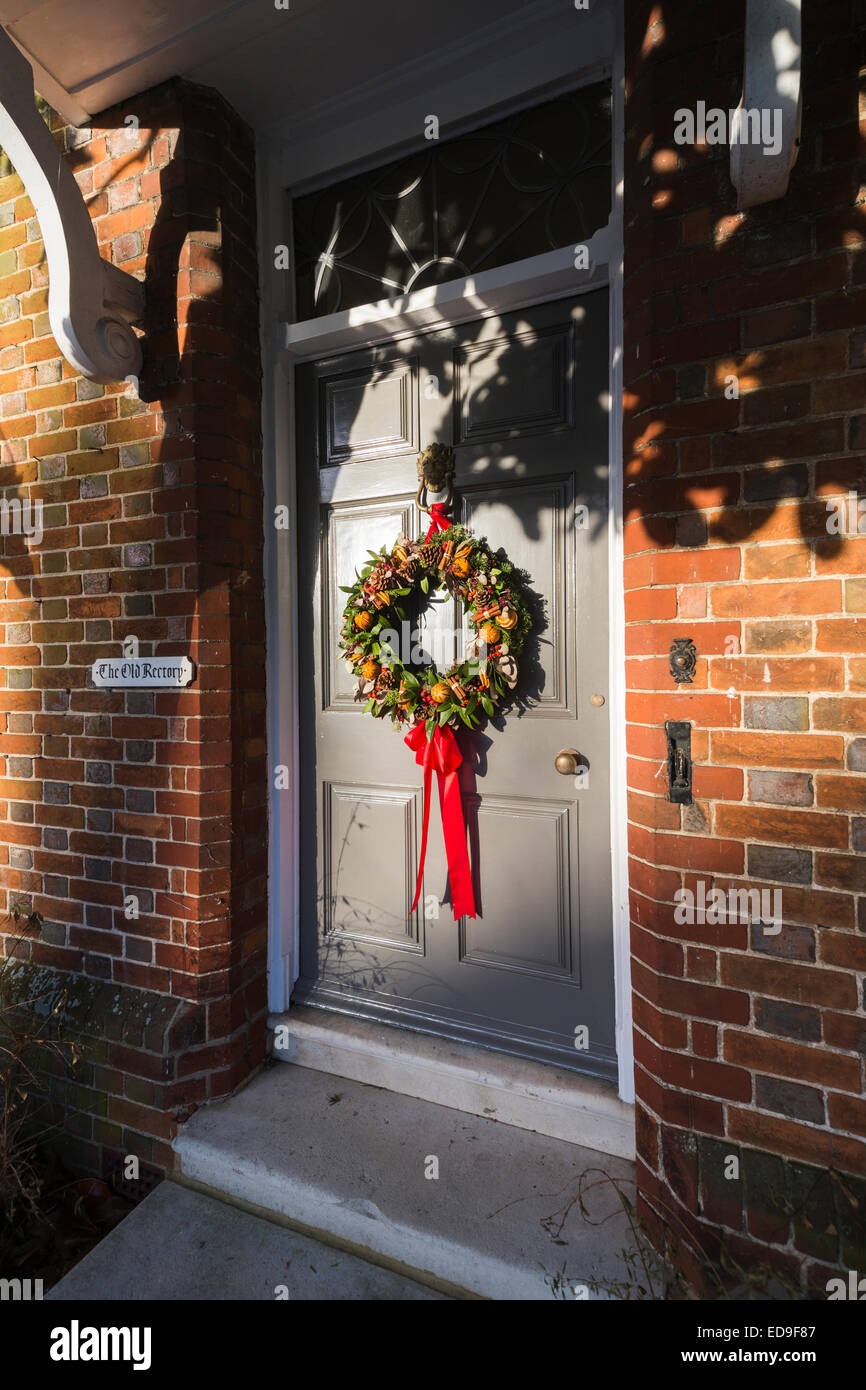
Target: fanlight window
<point>530,183</point>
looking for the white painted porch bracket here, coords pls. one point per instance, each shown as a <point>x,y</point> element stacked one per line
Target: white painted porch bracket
<point>91,303</point>
<point>531,281</point>
<point>771,83</point>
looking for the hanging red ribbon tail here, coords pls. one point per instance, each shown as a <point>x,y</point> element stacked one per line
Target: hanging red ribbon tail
<point>442,753</point>
<point>438,521</point>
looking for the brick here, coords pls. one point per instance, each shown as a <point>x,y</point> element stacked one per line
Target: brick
<point>845,949</point>
<point>692,602</point>
<point>664,1029</point>
<point>849,715</point>
<point>714,1079</point>
<point>656,638</point>
<point>769,600</point>
<point>778,636</point>
<point>771,484</point>
<point>789,1099</point>
<point>778,673</point>
<point>842,553</point>
<point>796,827</point>
<point>686,703</point>
<point>704,1039</point>
<point>787,1059</point>
<point>688,852</point>
<point>841,793</point>
<point>855,595</point>
<point>787,561</point>
<point>780,403</point>
<point>643,604</point>
<point>801,984</point>
<point>846,871</point>
<point>764,712</point>
<point>789,1020</point>
<point>693,999</point>
<point>857,755</point>
<point>846,635</point>
<point>845,1031</point>
<point>847,1113</point>
<point>725,783</point>
<point>784,442</point>
<point>695,566</point>
<point>783,788</point>
<point>777,750</point>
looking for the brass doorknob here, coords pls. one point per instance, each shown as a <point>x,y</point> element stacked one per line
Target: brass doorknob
<point>566,761</point>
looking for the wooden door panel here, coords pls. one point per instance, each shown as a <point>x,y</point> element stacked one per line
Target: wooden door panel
<point>352,531</point>
<point>508,386</point>
<point>369,413</point>
<point>370,848</point>
<point>538,836</point>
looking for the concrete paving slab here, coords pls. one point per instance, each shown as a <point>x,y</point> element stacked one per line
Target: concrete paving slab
<point>435,1192</point>
<point>181,1244</point>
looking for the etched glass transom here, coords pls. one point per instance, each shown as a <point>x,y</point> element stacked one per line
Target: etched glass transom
<point>532,182</point>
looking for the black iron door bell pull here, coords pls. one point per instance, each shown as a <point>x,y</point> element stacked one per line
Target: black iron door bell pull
<point>684,656</point>
<point>679,732</point>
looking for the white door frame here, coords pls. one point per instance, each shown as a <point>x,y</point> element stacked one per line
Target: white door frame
<point>285,343</point>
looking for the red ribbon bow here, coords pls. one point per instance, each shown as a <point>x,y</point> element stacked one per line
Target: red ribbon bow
<point>442,753</point>
<point>438,520</point>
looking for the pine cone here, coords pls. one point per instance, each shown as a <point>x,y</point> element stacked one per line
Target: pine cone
<point>387,680</point>
<point>410,570</point>
<point>375,581</point>
<point>429,555</point>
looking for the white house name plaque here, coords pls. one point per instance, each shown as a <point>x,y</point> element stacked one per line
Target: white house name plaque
<point>143,671</point>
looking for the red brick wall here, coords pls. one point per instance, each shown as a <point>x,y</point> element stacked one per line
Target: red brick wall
<point>747,1043</point>
<point>153,529</point>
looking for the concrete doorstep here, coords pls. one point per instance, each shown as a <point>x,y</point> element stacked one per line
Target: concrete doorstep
<point>341,1190</point>
<point>513,1090</point>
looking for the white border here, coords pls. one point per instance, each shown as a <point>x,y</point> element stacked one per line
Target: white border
<point>493,292</point>
<point>283,344</point>
<point>280,575</point>
<point>616,591</point>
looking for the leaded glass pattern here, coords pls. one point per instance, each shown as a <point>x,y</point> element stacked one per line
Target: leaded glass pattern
<point>533,182</point>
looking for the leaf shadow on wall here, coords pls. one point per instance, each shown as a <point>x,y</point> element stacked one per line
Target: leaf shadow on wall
<point>739,421</point>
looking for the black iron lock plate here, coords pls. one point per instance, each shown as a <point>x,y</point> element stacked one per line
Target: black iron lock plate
<point>679,733</point>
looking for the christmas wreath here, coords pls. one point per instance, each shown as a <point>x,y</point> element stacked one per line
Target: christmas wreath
<point>413,693</point>
<point>488,586</point>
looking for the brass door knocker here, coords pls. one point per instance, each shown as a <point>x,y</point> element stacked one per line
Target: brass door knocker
<point>435,472</point>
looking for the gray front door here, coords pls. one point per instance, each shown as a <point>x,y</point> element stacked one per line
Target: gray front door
<point>522,398</point>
